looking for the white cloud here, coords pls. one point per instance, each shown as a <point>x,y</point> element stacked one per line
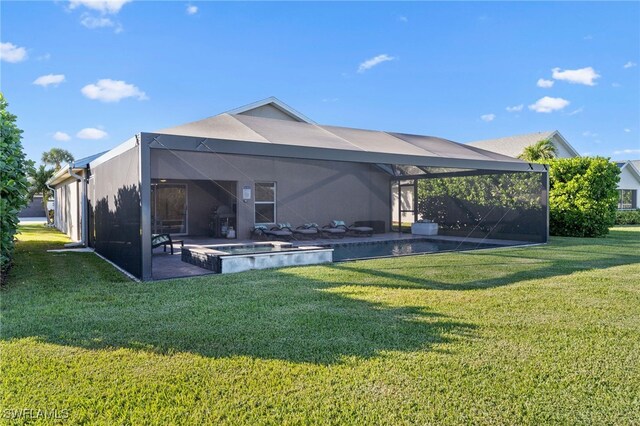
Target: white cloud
<point>627,151</point>
<point>107,90</point>
<point>9,52</point>
<point>44,57</point>
<point>370,63</point>
<point>515,108</point>
<point>102,6</point>
<point>61,136</point>
<point>488,117</point>
<point>545,83</point>
<point>91,133</point>
<point>576,111</point>
<point>584,76</point>
<point>49,79</point>
<point>630,65</point>
<point>548,104</point>
<point>191,9</point>
<point>627,130</point>
<point>96,22</point>
<point>403,18</point>
<point>589,134</point>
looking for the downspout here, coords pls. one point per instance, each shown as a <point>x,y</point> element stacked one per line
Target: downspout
<point>46,208</point>
<point>85,230</point>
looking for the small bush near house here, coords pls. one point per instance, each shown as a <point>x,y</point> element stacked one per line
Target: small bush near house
<point>13,184</point>
<point>583,197</point>
<point>628,217</point>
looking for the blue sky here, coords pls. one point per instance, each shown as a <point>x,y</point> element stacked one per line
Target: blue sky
<point>86,76</point>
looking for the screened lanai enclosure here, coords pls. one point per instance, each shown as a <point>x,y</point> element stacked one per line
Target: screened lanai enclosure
<point>238,172</point>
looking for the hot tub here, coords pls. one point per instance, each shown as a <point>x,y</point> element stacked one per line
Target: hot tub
<point>230,258</point>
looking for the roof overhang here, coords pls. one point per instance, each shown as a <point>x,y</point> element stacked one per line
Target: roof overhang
<point>222,146</point>
<point>66,172</point>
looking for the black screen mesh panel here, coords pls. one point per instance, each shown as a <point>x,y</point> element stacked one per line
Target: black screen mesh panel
<point>114,204</point>
<point>503,206</point>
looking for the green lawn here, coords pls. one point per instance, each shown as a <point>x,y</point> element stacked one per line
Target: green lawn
<point>547,334</point>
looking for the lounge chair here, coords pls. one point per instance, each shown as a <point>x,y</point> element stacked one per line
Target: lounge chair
<point>308,230</point>
<point>338,227</point>
<point>275,232</point>
<point>163,240</point>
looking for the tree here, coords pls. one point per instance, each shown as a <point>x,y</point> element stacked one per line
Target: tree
<point>583,196</point>
<point>39,178</point>
<point>56,157</point>
<point>542,150</point>
<point>13,184</point>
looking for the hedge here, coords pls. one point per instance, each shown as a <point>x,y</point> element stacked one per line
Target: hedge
<point>628,217</point>
<point>583,196</point>
<point>13,184</point>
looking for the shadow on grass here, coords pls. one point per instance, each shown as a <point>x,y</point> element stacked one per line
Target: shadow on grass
<point>564,257</point>
<point>74,299</point>
<point>299,315</point>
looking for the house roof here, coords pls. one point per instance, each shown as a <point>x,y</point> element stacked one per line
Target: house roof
<point>346,144</point>
<point>514,145</point>
<point>75,166</point>
<point>271,102</point>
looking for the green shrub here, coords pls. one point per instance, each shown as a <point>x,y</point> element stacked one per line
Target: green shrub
<point>628,217</point>
<point>583,196</point>
<point>13,183</point>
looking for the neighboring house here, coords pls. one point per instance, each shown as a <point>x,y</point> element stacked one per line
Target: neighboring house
<point>263,164</point>
<point>513,146</point>
<point>629,185</point>
<point>68,189</point>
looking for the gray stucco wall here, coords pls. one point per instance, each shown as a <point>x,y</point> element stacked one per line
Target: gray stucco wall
<point>66,208</point>
<point>307,190</point>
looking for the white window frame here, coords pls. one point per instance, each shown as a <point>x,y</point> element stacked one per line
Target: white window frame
<point>274,202</point>
<point>621,205</point>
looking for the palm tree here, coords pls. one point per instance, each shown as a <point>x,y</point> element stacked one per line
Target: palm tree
<point>57,156</point>
<point>539,151</point>
<point>38,179</point>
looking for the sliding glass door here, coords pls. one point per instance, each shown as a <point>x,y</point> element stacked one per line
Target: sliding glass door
<point>169,208</point>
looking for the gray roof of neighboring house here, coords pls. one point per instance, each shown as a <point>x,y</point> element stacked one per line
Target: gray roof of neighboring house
<point>308,135</point>
<point>515,145</point>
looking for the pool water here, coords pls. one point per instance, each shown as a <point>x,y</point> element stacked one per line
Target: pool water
<point>347,251</point>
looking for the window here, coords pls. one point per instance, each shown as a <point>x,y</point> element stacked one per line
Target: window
<point>265,203</point>
<point>626,199</point>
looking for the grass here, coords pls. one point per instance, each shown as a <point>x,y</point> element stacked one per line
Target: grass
<point>546,334</point>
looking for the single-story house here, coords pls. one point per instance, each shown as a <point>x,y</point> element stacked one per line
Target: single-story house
<point>629,185</point>
<point>513,146</point>
<point>69,185</point>
<point>266,163</point>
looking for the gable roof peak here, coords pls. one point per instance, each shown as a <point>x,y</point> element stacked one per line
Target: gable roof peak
<point>272,102</point>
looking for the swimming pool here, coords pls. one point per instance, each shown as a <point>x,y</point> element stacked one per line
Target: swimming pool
<point>372,249</point>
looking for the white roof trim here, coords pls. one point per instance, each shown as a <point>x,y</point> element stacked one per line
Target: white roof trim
<point>564,142</point>
<point>272,100</point>
<point>633,168</point>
